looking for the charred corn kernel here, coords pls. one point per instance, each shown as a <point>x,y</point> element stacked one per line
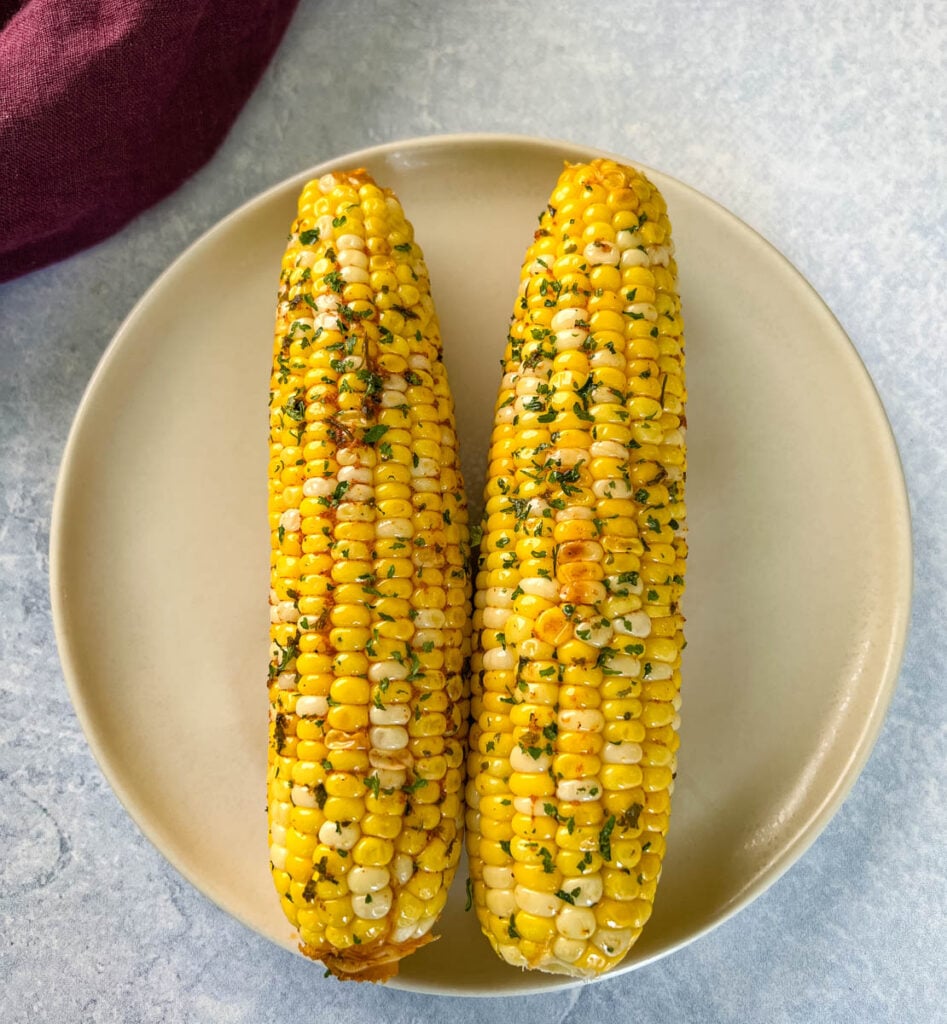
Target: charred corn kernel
<point>370,544</point>
<point>577,630</point>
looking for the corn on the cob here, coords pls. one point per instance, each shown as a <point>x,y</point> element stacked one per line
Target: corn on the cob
<point>369,594</point>
<point>577,632</point>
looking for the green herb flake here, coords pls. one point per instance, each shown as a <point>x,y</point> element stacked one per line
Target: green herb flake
<point>605,838</point>
<point>375,433</point>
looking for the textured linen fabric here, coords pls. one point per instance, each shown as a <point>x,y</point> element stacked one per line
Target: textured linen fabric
<point>106,106</point>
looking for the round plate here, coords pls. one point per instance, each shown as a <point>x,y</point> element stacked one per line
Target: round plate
<point>798,583</point>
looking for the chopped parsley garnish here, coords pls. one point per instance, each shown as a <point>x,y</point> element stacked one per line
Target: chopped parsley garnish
<point>375,433</point>
<point>605,837</point>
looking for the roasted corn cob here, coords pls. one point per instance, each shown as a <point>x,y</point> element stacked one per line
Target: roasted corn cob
<point>577,632</point>
<point>369,596</point>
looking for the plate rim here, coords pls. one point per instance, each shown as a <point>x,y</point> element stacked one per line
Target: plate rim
<point>903,540</point>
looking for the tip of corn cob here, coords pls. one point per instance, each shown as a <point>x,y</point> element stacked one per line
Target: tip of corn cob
<point>376,964</point>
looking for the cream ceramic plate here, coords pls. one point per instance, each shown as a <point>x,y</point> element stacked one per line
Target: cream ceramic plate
<point>799,578</point>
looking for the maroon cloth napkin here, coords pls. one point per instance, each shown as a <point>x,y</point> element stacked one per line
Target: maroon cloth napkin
<point>106,106</point>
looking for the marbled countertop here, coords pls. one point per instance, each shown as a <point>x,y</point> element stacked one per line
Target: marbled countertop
<point>822,127</point>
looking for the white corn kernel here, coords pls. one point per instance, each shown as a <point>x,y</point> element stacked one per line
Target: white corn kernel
<point>432,639</point>
<point>286,680</point>
<point>624,665</point>
<point>498,659</point>
<point>362,880</point>
<point>542,369</point>
<point>578,790</point>
<point>604,357</point>
<point>495,618</point>
<point>576,923</point>
<point>637,623</point>
<point>339,836</point>
<point>312,706</point>
<point>542,904</point>
<point>642,311</point>
<point>513,956</point>
<point>388,778</point>
<point>571,340</point>
<point>354,275</point>
<point>534,806</point>
<point>425,467</point>
<point>526,386</point>
<point>278,857</point>
<point>320,487</point>
<point>302,796</point>
<point>613,941</point>
<point>287,611</point>
<point>430,618</point>
<point>397,529</point>
<point>521,761</point>
<point>612,489</point>
<point>634,257</point>
<point>402,867</point>
<point>570,512</point>
<point>581,720</point>
<point>591,631</point>
<point>501,902</point>
<point>373,905</point>
<point>327,303</point>
<point>568,457</point>
<point>608,450</point>
<point>601,252</point>
<point>353,258</point>
<point>290,520</point>
<point>355,457</point>
<point>540,586</point>
<point>391,714</point>
<point>349,242</point>
<point>391,399</point>
<point>568,950</point>
<point>388,737</point>
<point>358,493</point>
<point>625,752</point>
<point>326,322</point>
<point>496,876</point>
<point>565,319</point>
<point>382,670</point>
<point>402,933</point>
<point>585,890</point>
<point>356,474</point>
